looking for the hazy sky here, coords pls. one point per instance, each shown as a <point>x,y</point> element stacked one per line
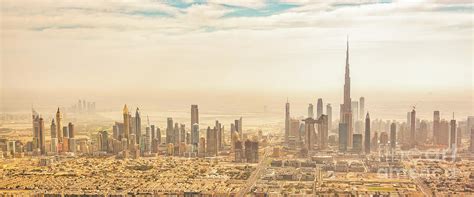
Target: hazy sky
<point>150,48</point>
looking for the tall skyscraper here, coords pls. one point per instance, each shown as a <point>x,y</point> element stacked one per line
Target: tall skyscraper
<point>343,137</point>
<point>158,135</point>
<point>194,115</point>
<point>53,129</point>
<point>309,133</point>
<point>176,137</point>
<point>126,124</point>
<point>138,126</point>
<point>436,128</point>
<point>355,112</point>
<point>472,141</point>
<point>54,137</point>
<point>195,137</point>
<point>182,133</point>
<point>287,121</point>
<point>413,127</point>
<point>219,135</point>
<point>452,135</point>
<point>357,143</point>
<point>169,131</point>
<point>65,144</point>
<point>361,107</point>
<point>59,125</point>
<point>310,111</point>
<point>251,151</point>
<point>103,141</point>
<point>329,113</point>
<point>323,131</point>
<point>393,136</point>
<point>240,128</point>
<point>153,133</point>
<point>72,138</point>
<point>147,140</point>
<point>42,134</point>
<point>346,110</point>
<point>319,108</point>
<point>211,138</point>
<point>367,134</point>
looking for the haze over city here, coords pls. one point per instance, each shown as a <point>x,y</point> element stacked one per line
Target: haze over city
<point>255,53</point>
<point>237,98</point>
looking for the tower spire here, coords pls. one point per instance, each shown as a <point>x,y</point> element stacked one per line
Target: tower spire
<point>347,56</point>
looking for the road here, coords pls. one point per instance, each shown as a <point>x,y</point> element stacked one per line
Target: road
<point>424,188</point>
<point>256,174</point>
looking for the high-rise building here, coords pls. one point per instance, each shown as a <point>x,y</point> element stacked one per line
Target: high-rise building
<point>71,132</point>
<point>472,140</point>
<point>202,147</point>
<point>147,140</point>
<point>393,136</point>
<point>346,109</point>
<point>65,144</point>
<point>103,141</point>
<point>295,128</point>
<point>251,151</point>
<point>176,138</point>
<point>443,133</point>
<point>287,121</point>
<point>153,132</point>
<point>384,138</point>
<point>211,138</point>
<point>343,137</point>
<point>53,129</point>
<point>375,142</point>
<point>182,133</point>
<point>219,128</point>
<point>59,125</point>
<point>357,143</point>
<point>329,113</point>
<point>319,108</point>
<point>361,107</point>
<point>195,137</point>
<point>35,130</point>
<point>238,128</point>
<point>436,128</point>
<point>310,111</point>
<point>194,114</point>
<point>452,135</point>
<point>72,138</point>
<point>323,131</point>
<point>54,137</point>
<point>65,132</point>
<point>126,124</point>
<point>413,128</point>
<point>310,134</point>
<point>138,125</point>
<point>422,133</point>
<point>239,151</point>
<point>41,135</point>
<point>367,134</point>
<point>169,131</point>
<point>355,112</point>
<point>158,135</point>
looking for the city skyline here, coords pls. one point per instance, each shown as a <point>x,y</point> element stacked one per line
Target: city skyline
<point>237,98</point>
<point>152,52</point>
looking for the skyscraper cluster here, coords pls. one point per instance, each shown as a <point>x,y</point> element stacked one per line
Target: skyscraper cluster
<point>62,138</point>
<point>84,106</point>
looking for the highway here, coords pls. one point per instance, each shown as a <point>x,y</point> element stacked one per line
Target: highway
<point>256,174</point>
